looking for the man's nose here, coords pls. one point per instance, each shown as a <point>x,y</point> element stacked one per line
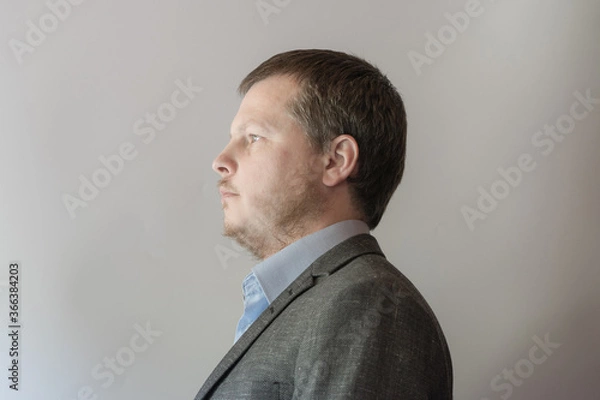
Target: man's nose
<point>223,164</point>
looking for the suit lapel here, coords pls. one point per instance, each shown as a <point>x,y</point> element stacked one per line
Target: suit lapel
<point>323,266</point>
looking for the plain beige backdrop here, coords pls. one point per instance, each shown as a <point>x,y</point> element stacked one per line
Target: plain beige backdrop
<point>102,80</point>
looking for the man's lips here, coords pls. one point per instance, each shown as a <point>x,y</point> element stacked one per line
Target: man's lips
<point>226,193</point>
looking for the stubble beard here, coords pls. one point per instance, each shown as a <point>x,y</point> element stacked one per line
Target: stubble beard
<point>281,220</point>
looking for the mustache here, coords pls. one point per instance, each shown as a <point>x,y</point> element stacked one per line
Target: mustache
<point>224,185</point>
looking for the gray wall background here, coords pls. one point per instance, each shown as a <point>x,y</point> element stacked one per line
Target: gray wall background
<point>147,249</point>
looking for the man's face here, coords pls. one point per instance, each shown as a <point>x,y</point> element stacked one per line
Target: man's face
<point>272,172</point>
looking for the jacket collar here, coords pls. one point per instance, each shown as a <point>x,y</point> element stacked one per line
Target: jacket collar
<point>323,266</point>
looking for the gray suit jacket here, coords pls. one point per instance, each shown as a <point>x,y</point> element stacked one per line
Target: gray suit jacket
<point>351,326</point>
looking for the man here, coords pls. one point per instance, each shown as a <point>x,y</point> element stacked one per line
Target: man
<point>317,149</point>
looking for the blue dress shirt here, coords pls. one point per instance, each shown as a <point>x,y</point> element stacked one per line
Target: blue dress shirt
<point>270,277</point>
<point>255,303</point>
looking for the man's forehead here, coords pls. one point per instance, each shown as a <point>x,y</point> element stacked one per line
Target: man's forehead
<point>265,105</point>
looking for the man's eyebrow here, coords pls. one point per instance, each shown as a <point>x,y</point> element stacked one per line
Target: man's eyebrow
<point>244,126</point>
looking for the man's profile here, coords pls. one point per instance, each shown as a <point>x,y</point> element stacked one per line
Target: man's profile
<point>317,149</point>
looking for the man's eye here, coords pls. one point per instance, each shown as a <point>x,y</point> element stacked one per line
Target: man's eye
<point>252,137</point>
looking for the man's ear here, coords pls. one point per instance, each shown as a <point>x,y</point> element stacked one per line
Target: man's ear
<point>340,160</point>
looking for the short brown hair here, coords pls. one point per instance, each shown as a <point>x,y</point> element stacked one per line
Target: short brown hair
<point>344,94</point>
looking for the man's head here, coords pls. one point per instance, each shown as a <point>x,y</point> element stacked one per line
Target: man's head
<point>320,137</point>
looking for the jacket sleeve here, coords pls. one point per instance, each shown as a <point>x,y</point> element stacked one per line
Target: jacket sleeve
<point>373,340</point>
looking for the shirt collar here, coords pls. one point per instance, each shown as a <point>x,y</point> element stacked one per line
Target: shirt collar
<point>278,271</point>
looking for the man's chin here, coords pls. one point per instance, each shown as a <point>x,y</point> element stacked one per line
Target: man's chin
<point>229,230</point>
<point>234,232</point>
